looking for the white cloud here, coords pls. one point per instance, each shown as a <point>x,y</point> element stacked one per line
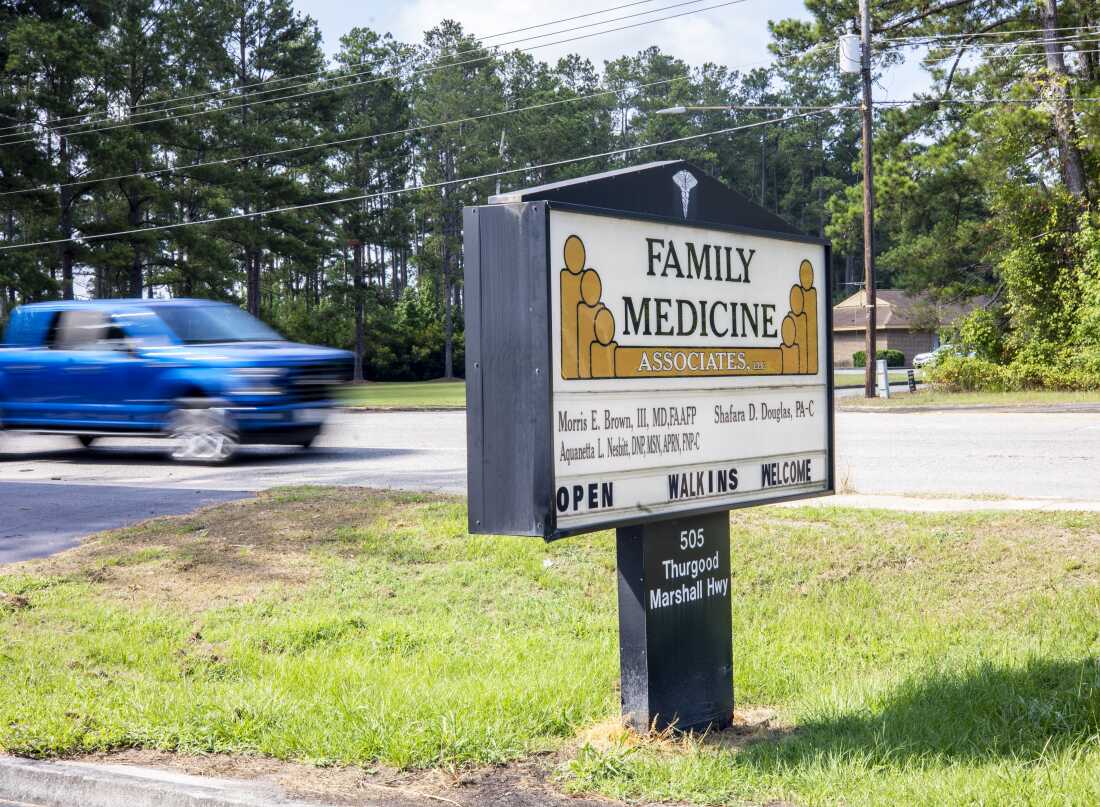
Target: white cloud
<point>735,36</point>
<point>732,35</point>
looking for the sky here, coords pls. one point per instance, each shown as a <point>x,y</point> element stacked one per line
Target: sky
<point>736,35</point>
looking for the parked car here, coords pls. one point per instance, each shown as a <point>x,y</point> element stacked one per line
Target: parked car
<point>205,374</point>
<point>933,356</point>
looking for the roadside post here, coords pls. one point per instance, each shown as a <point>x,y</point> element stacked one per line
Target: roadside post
<point>911,377</point>
<point>646,350</point>
<point>883,378</point>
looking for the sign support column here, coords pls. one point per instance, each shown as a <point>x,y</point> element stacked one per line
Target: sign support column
<point>676,623</point>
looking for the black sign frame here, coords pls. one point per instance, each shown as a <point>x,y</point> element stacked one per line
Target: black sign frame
<point>510,466</point>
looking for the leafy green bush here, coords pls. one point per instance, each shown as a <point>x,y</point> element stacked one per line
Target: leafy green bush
<point>894,358</point>
<point>1071,371</point>
<point>963,374</point>
<point>982,331</point>
<point>404,341</point>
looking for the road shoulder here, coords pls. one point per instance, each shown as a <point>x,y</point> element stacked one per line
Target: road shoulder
<point>162,779</point>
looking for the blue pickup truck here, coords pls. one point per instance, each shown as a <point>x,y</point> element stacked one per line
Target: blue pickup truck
<point>204,374</point>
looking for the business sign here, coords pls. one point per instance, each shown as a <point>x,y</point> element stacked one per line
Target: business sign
<point>646,349</point>
<point>689,368</point>
<point>658,365</point>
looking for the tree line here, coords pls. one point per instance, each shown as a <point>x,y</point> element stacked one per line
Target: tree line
<point>121,119</point>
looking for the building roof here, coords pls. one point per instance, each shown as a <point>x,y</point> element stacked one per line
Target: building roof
<point>900,310</point>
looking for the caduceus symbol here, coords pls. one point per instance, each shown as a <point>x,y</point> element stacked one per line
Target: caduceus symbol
<point>685,181</point>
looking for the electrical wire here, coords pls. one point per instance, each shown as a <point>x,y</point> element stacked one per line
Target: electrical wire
<point>978,101</point>
<point>411,189</point>
<point>340,142</point>
<point>338,75</point>
<point>251,100</point>
<point>336,72</point>
<point>500,113</point>
<point>254,99</point>
<point>409,130</point>
<point>1026,43</point>
<point>921,39</point>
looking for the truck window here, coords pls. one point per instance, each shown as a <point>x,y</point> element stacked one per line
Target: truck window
<point>80,329</point>
<point>213,323</point>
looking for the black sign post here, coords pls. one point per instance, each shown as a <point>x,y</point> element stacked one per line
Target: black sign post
<point>675,623</point>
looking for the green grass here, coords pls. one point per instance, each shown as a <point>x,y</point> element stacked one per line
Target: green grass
<point>908,659</point>
<point>433,394</point>
<point>947,399</point>
<point>843,379</point>
<point>407,395</point>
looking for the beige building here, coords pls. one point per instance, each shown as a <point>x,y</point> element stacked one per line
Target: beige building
<point>906,322</point>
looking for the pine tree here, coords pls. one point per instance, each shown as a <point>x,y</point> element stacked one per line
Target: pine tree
<point>464,82</point>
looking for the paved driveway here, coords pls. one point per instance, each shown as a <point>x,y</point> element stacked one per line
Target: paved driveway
<point>52,491</point>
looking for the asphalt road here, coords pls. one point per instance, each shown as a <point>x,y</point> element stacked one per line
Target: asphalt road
<point>52,491</point>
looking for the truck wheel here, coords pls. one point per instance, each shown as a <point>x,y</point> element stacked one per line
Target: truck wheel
<point>202,431</point>
<point>307,441</point>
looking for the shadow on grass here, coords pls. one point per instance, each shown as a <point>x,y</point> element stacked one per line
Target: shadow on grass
<point>981,715</point>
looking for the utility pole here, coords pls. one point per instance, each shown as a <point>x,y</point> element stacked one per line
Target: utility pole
<point>868,203</point>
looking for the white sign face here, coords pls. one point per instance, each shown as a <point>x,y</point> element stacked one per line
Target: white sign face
<point>689,368</point>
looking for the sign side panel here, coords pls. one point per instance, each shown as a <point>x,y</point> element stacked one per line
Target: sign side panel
<point>475,417</point>
<point>513,405</point>
<point>830,375</point>
<point>534,236</point>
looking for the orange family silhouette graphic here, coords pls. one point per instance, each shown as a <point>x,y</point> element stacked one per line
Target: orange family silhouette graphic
<point>589,349</point>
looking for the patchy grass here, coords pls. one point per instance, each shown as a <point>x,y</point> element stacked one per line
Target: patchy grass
<point>880,657</point>
<point>992,400</point>
<point>407,395</point>
<point>452,394</point>
<point>848,378</point>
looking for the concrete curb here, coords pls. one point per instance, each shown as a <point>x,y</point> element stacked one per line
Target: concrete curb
<point>68,784</point>
<point>1008,409</point>
<point>934,504</point>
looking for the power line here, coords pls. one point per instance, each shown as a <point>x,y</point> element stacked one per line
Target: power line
<point>251,101</point>
<point>409,130</point>
<point>340,142</point>
<point>980,101</point>
<point>544,105</point>
<point>254,99</point>
<point>336,72</point>
<point>568,19</point>
<point>921,39</point>
<point>338,75</point>
<point>1023,43</point>
<point>412,189</point>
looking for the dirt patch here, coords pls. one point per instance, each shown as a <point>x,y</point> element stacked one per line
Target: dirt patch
<point>750,725</point>
<point>526,783</point>
<point>753,725</point>
<point>226,553</point>
<point>522,784</point>
<point>13,602</point>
